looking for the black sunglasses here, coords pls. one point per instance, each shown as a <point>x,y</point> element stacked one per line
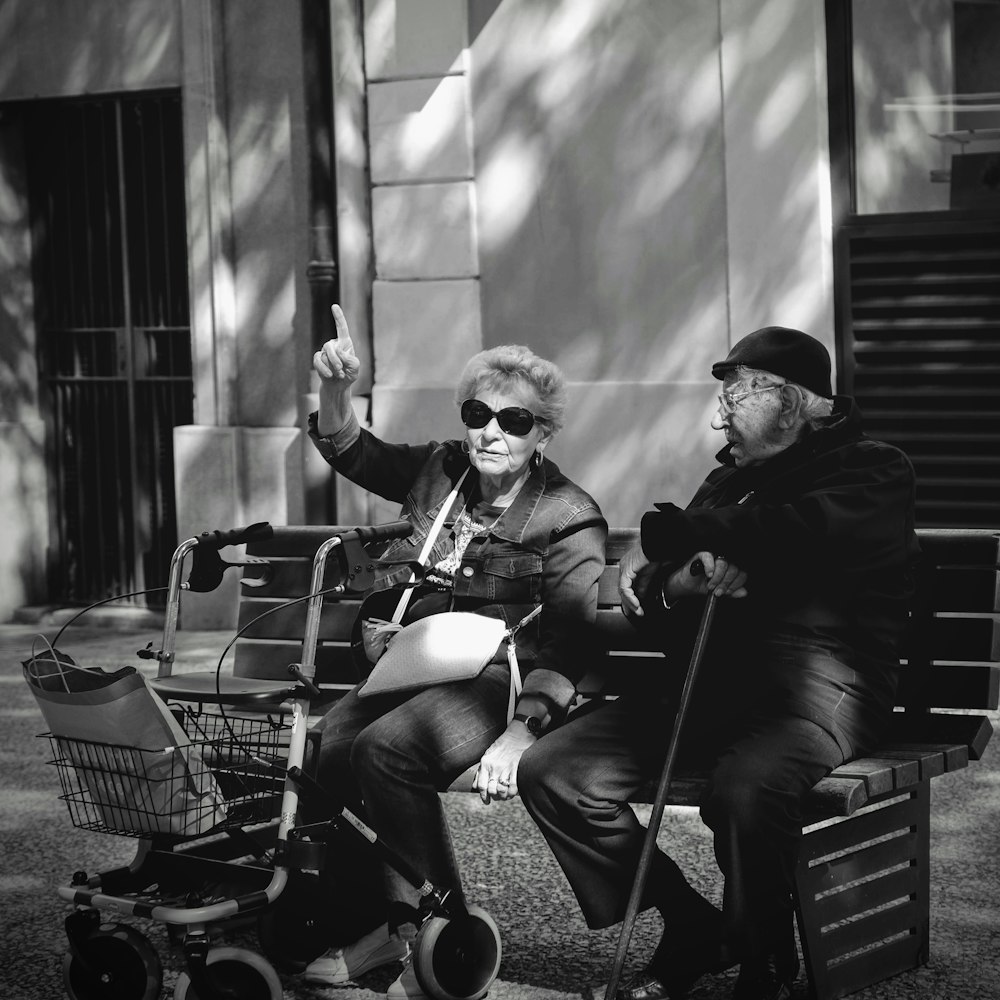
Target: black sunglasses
<point>514,420</point>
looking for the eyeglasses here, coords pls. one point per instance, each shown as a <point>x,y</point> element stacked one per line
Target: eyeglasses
<point>729,400</point>
<point>514,420</point>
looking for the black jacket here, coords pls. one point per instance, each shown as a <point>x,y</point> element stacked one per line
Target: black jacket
<point>825,531</point>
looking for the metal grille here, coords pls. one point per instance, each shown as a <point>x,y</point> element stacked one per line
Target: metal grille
<point>921,321</point>
<point>110,253</point>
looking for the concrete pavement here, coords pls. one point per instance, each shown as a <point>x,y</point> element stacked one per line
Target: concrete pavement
<point>548,952</point>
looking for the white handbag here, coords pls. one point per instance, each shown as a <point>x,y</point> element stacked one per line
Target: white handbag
<point>451,646</point>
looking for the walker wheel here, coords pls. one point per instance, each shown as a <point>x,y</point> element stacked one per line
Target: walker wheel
<point>115,962</point>
<point>458,958</point>
<point>234,972</point>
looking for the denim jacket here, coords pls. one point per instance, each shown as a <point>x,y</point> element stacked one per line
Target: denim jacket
<point>547,548</point>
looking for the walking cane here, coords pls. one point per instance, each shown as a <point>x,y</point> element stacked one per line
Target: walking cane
<point>649,844</point>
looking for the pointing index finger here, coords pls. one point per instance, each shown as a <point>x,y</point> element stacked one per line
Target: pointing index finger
<point>340,321</point>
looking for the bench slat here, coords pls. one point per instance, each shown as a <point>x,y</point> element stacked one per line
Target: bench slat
<point>885,959</point>
<point>287,578</point>
<point>620,540</point>
<point>876,892</point>
<point>877,775</point>
<point>970,589</point>
<point>939,546</point>
<point>965,589</point>
<point>950,686</point>
<point>958,546</point>
<point>836,797</point>
<point>336,619</point>
<point>954,756</point>
<point>825,844</point>
<point>955,686</point>
<point>893,920</point>
<point>904,770</point>
<point>969,639</point>
<point>269,660</point>
<point>971,731</point>
<point>607,588</point>
<point>930,763</point>
<point>879,856</point>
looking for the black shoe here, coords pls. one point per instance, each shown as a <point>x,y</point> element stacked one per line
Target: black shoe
<point>667,985</point>
<point>677,964</point>
<point>645,986</point>
<point>767,978</point>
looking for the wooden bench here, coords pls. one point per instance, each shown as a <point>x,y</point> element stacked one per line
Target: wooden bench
<point>863,881</point>
<point>863,877</point>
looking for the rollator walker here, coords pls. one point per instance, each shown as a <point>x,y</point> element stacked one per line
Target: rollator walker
<point>251,864</point>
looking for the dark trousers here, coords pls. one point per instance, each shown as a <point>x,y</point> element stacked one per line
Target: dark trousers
<point>576,783</point>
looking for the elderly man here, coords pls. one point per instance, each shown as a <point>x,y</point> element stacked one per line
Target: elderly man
<point>806,528</point>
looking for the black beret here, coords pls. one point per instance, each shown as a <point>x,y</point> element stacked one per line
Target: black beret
<point>792,354</point>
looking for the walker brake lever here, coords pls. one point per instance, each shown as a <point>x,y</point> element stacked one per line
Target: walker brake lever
<point>208,568</point>
<point>254,581</point>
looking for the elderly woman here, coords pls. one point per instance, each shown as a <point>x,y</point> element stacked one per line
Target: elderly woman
<point>518,534</point>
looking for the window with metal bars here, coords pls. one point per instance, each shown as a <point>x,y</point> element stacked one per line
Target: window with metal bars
<point>109,247</point>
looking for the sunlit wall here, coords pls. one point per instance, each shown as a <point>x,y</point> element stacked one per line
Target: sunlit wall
<point>627,187</point>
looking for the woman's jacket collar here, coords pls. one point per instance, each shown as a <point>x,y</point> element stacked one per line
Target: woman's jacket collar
<point>512,525</point>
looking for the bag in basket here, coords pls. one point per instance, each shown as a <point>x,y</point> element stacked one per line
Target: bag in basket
<point>138,767</point>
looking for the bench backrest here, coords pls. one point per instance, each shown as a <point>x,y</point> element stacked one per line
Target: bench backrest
<point>952,653</point>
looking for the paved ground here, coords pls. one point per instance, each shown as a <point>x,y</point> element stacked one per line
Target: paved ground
<point>548,953</point>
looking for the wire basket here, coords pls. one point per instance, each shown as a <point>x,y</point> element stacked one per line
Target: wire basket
<point>231,774</point>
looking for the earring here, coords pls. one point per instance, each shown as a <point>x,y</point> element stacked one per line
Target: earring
<point>465,446</point>
<point>536,459</point>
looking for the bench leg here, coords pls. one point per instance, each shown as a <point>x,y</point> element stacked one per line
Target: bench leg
<point>863,888</point>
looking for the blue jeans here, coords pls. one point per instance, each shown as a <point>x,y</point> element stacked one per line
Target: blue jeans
<point>386,758</point>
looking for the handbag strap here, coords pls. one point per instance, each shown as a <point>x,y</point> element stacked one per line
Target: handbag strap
<point>515,679</point>
<point>404,600</point>
<point>32,670</point>
<point>515,671</point>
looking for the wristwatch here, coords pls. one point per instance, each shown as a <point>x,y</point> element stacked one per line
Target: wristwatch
<point>532,722</point>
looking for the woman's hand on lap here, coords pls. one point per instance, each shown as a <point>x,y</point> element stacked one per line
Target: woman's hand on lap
<point>496,776</point>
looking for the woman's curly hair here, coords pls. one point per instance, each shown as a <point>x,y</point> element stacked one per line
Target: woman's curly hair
<point>501,368</point>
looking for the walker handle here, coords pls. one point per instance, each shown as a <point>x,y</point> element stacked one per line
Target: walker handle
<point>381,532</point>
<point>258,532</point>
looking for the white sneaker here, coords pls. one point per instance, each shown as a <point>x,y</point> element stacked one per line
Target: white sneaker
<point>339,966</point>
<point>406,986</point>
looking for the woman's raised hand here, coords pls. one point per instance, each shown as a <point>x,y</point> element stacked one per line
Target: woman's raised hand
<point>335,362</point>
